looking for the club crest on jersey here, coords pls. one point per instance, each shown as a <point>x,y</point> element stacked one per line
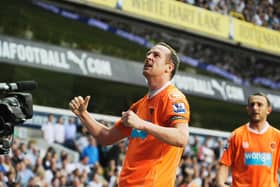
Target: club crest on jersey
<point>179,108</point>
<point>135,133</point>
<point>272,145</point>
<point>245,145</point>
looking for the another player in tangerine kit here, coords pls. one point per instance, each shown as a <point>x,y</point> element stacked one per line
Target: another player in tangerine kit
<point>253,149</point>
<point>156,125</point>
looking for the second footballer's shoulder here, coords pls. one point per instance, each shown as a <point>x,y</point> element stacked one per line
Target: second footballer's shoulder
<point>239,131</point>
<point>275,131</point>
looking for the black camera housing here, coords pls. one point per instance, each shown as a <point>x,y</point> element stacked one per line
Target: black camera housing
<point>15,108</point>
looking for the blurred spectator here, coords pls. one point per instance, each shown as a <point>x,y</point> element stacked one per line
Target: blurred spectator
<point>66,166</point>
<point>218,149</point>
<point>63,180</point>
<point>2,179</point>
<point>48,129</point>
<point>70,133</point>
<point>82,165</point>
<point>10,178</point>
<point>206,154</point>
<point>95,181</point>
<point>41,177</point>
<point>52,171</point>
<point>98,170</point>
<point>46,162</point>
<point>55,182</point>
<point>91,151</point>
<point>32,153</point>
<point>82,141</point>
<point>113,180</point>
<point>35,182</point>
<point>59,132</point>
<point>8,164</point>
<point>24,173</point>
<point>3,169</point>
<point>17,157</point>
<point>108,153</point>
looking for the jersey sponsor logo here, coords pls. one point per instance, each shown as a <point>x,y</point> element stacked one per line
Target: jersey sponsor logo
<point>258,158</point>
<point>135,133</point>
<point>179,108</point>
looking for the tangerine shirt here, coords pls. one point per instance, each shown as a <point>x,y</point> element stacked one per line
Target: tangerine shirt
<point>150,162</point>
<point>254,157</point>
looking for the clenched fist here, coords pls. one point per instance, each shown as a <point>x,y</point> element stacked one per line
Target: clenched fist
<point>130,119</point>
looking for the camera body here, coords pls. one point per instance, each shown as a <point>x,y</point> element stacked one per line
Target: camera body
<point>15,108</point>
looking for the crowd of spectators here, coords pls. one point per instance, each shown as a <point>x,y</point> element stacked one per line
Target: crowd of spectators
<point>27,165</point>
<point>264,13</point>
<point>246,66</point>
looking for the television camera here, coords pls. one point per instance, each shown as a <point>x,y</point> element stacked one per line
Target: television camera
<point>15,107</point>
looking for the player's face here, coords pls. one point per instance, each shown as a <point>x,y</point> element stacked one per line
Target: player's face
<point>157,62</point>
<point>258,109</point>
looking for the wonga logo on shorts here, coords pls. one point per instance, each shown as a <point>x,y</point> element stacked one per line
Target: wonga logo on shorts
<point>257,158</point>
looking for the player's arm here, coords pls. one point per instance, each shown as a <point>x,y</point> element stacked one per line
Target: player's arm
<point>176,135</point>
<point>102,133</point>
<point>222,175</point>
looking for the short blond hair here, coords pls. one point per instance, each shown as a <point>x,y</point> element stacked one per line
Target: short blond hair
<point>173,56</point>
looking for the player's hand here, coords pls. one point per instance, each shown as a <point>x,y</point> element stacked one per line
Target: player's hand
<point>130,119</point>
<point>78,105</point>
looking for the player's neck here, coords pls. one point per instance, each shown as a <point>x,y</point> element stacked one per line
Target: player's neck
<point>156,83</point>
<point>258,126</point>
<point>152,93</point>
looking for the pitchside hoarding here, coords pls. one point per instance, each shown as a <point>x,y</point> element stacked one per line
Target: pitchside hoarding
<point>76,62</point>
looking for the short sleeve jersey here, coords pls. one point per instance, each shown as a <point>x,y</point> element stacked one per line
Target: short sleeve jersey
<point>253,157</point>
<point>150,162</point>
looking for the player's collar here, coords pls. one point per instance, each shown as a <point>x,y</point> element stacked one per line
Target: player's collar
<point>155,92</point>
<point>264,129</point>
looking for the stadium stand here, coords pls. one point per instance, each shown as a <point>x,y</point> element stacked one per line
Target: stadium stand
<point>247,68</point>
<point>32,162</point>
<point>264,13</point>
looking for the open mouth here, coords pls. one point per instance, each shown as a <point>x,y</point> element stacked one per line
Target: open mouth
<point>147,66</point>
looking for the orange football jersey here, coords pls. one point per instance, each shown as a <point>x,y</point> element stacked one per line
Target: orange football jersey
<point>254,157</point>
<point>150,162</point>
